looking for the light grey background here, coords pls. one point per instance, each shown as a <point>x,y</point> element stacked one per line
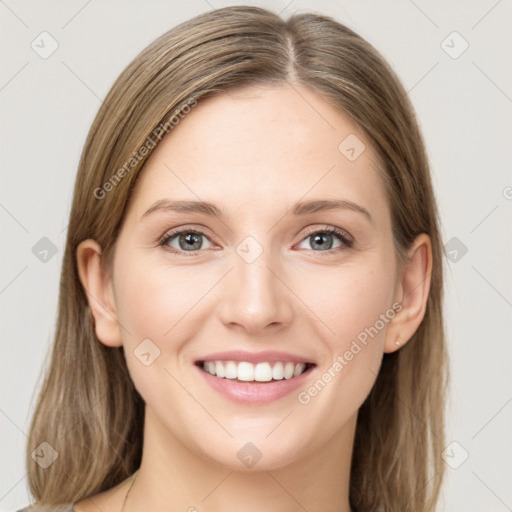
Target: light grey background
<point>464,105</point>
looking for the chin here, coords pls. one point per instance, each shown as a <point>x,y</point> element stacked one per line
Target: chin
<point>256,452</point>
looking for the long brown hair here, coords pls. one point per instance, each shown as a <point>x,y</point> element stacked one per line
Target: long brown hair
<point>88,409</point>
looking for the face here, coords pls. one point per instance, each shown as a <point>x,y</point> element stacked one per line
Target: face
<point>266,278</point>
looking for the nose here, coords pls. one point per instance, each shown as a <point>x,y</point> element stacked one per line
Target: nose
<point>256,298</point>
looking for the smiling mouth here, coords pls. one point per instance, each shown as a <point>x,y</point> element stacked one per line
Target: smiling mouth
<point>243,371</point>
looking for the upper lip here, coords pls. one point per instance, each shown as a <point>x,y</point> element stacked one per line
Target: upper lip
<point>268,356</point>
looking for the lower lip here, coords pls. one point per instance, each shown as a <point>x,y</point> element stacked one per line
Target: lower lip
<point>254,392</point>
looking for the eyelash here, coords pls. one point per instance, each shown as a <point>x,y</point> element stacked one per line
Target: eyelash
<point>342,236</point>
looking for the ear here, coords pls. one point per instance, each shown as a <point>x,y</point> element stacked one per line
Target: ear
<point>100,295</point>
<point>412,291</point>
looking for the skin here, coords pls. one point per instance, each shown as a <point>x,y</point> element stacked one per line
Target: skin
<point>254,153</point>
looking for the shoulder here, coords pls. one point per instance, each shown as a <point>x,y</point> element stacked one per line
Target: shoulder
<point>67,507</point>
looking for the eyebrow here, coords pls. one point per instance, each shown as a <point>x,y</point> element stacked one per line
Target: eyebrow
<point>300,208</point>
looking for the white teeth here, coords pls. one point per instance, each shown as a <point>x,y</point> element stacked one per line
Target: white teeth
<point>248,372</point>
<point>288,370</point>
<point>299,368</point>
<point>245,371</point>
<point>231,370</point>
<point>219,369</point>
<point>277,371</point>
<point>263,372</point>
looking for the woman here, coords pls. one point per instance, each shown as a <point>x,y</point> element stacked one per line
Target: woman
<point>250,313</point>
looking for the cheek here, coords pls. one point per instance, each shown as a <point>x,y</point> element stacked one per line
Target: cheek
<point>149,304</point>
<point>357,308</point>
<point>355,303</point>
<point>350,300</point>
<point>166,305</point>
<point>154,299</point>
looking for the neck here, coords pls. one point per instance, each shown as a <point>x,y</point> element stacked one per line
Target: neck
<point>174,477</point>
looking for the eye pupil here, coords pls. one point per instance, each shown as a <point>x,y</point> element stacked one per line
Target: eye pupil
<point>191,241</point>
<point>322,244</point>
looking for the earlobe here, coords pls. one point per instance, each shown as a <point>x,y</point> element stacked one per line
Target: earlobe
<point>98,288</point>
<point>414,288</point>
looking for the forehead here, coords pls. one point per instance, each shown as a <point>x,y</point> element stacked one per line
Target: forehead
<point>263,148</point>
